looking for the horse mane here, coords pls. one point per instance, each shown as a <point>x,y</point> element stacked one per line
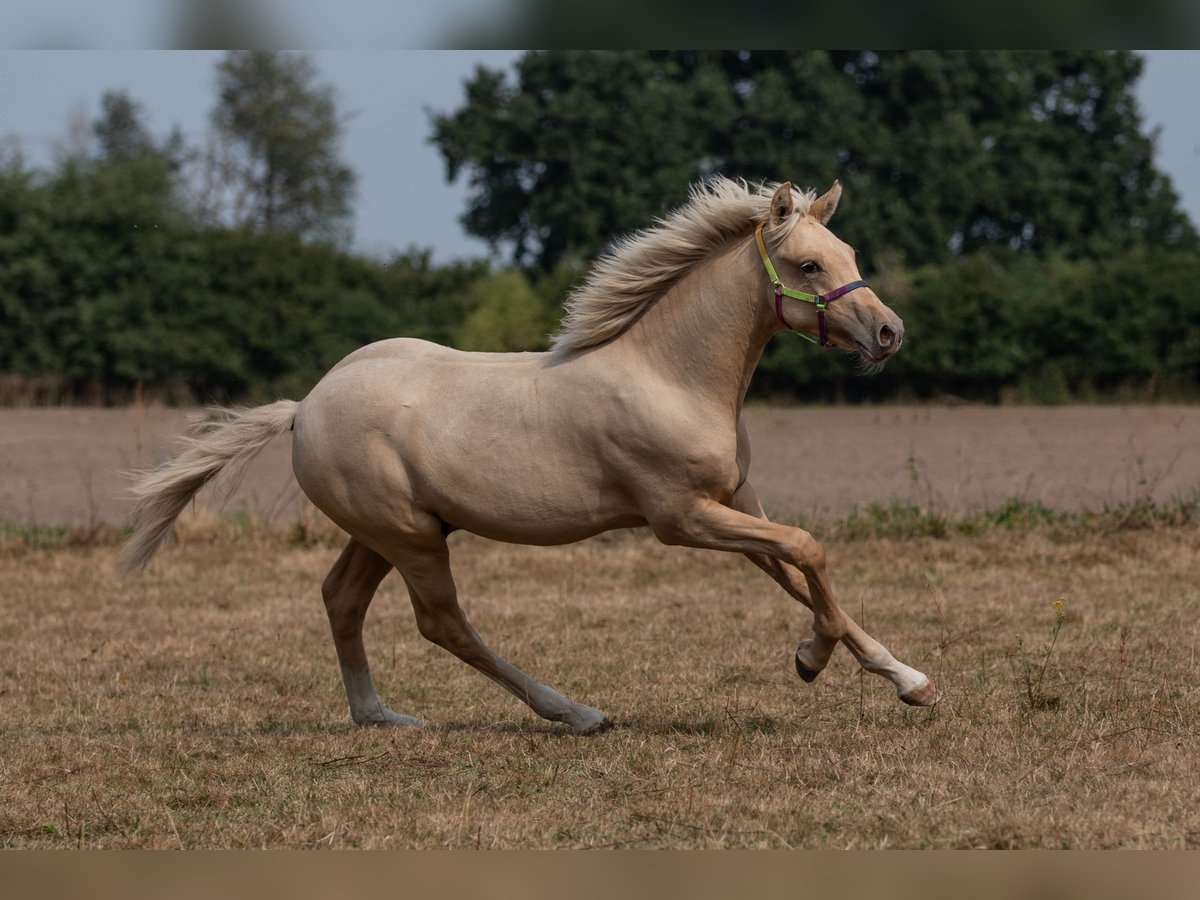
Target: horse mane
<point>642,266</point>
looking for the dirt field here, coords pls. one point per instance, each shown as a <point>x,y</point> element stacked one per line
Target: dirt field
<point>61,466</point>
<point>199,705</point>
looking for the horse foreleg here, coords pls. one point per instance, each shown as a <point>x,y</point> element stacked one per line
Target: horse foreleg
<point>426,571</point>
<point>812,656</point>
<point>715,526</point>
<point>347,591</point>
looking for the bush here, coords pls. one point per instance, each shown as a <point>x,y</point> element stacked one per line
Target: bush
<point>107,288</point>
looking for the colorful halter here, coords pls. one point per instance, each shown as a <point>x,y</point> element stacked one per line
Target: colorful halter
<point>819,300</point>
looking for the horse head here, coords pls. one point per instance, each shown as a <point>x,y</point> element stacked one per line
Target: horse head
<point>812,268</point>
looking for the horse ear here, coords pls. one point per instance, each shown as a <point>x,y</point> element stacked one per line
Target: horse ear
<point>825,206</point>
<point>782,204</point>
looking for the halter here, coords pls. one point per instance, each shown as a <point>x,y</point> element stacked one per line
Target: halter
<point>819,300</point>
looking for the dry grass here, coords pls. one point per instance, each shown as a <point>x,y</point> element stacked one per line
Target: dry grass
<point>200,704</point>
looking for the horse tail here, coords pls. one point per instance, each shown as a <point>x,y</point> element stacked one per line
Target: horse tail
<point>213,445</point>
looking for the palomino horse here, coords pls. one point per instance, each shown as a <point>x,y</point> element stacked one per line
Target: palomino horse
<point>633,418</point>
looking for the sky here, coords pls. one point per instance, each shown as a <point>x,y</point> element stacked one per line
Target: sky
<point>403,198</point>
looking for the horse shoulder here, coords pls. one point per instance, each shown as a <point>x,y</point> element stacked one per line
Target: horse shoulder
<point>677,445</point>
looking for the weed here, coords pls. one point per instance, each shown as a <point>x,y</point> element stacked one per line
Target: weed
<point>1014,514</point>
<point>53,537</point>
<point>1034,675</point>
<point>893,520</point>
<point>897,521</point>
<point>1018,513</point>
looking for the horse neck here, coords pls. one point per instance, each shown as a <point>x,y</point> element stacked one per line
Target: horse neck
<point>708,331</point>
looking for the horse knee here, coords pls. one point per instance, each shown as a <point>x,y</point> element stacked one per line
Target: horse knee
<point>810,554</point>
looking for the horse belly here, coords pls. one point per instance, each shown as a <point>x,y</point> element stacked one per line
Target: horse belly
<point>524,494</point>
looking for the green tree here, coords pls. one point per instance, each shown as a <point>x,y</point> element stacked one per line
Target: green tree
<point>122,134</point>
<point>1024,150</point>
<point>121,130</point>
<point>584,147</point>
<point>284,130</point>
<point>108,281</point>
<point>942,153</point>
<point>508,314</point>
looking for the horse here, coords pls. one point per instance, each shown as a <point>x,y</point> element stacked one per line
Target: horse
<point>631,419</point>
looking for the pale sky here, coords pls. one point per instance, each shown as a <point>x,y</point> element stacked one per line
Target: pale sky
<point>403,197</point>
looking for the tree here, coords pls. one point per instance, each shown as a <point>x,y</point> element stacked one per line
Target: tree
<point>121,130</point>
<point>508,315</point>
<point>584,147</point>
<point>1023,150</point>
<point>124,143</point>
<point>941,153</point>
<point>283,131</point>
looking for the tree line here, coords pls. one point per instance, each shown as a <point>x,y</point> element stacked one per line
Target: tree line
<point>1007,206</point>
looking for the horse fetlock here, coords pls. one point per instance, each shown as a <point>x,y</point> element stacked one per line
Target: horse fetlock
<point>829,628</point>
<point>811,659</point>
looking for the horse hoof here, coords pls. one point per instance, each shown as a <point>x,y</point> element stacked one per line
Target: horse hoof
<point>926,694</point>
<point>809,675</point>
<point>389,719</point>
<point>598,727</point>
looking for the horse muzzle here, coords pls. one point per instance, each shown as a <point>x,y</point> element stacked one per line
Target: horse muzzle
<point>884,343</point>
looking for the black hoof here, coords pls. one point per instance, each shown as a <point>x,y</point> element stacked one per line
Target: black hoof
<point>809,675</point>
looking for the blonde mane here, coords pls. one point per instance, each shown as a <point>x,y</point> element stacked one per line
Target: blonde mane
<point>644,265</point>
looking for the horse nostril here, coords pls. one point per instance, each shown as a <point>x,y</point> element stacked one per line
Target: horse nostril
<point>887,337</point>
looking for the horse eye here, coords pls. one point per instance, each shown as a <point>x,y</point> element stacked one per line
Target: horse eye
<point>810,268</point>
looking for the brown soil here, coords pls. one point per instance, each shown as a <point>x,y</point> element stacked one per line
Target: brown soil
<point>63,466</point>
<point>961,460</point>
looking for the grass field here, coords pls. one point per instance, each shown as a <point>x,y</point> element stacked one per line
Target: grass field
<point>199,705</point>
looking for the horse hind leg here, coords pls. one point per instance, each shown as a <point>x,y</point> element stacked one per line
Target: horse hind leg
<point>426,571</point>
<point>347,591</point>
